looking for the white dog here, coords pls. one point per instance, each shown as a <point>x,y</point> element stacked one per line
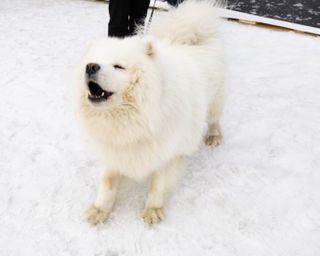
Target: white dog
<point>144,100</point>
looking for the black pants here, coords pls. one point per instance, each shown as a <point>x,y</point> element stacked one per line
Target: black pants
<point>125,15</point>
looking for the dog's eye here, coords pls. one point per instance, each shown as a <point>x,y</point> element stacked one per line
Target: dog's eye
<point>117,66</point>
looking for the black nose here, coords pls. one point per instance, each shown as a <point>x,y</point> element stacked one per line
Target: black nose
<point>92,68</point>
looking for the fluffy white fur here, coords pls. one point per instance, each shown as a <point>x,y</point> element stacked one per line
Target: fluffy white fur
<point>172,84</point>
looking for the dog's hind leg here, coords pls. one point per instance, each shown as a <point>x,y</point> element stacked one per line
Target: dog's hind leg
<point>100,210</point>
<point>214,135</point>
<point>162,183</point>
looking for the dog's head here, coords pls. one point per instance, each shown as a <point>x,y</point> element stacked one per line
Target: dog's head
<point>116,74</point>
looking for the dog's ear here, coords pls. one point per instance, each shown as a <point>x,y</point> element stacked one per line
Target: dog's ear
<point>150,46</point>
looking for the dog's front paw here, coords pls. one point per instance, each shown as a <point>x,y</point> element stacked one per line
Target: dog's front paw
<point>152,215</point>
<point>95,215</point>
<point>213,140</point>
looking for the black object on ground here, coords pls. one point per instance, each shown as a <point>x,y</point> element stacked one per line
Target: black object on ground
<point>303,12</point>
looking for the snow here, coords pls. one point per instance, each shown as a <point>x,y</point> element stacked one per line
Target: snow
<point>257,194</point>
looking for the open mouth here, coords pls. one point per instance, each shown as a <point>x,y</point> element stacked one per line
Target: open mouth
<point>96,93</point>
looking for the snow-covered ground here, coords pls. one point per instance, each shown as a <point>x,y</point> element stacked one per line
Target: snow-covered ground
<point>257,194</point>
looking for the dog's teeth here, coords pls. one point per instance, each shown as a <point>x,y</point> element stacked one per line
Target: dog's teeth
<point>102,94</point>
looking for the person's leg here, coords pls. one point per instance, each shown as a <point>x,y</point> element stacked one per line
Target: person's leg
<point>138,13</point>
<point>119,18</point>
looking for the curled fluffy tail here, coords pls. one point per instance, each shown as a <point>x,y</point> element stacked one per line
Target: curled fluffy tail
<point>192,23</point>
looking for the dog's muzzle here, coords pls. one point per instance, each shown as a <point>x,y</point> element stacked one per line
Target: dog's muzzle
<point>96,93</point>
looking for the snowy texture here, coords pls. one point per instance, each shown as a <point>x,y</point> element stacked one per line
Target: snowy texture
<point>257,194</point>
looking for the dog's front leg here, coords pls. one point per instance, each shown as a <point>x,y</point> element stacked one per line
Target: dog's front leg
<point>102,206</point>
<point>162,183</point>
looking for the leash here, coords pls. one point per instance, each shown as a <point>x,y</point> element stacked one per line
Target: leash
<point>151,15</point>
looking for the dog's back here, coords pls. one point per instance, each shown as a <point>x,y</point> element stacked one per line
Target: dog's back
<point>194,24</point>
